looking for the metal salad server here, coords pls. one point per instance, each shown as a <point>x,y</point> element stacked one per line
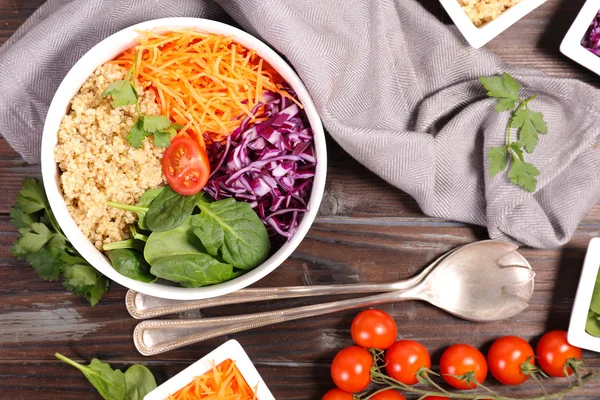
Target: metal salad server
<point>482,281</point>
<point>143,306</point>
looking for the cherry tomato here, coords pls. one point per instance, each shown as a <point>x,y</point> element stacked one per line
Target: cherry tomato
<point>460,359</point>
<point>374,329</point>
<point>185,166</point>
<point>351,369</point>
<point>388,395</point>
<point>505,358</point>
<point>404,359</point>
<point>553,351</point>
<point>337,394</point>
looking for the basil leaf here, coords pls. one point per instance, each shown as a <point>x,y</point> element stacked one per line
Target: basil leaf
<point>131,264</point>
<point>193,270</point>
<point>231,229</point>
<point>139,382</point>
<point>109,383</point>
<point>169,210</point>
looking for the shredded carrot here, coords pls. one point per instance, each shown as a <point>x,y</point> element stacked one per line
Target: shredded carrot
<point>222,382</point>
<point>204,82</point>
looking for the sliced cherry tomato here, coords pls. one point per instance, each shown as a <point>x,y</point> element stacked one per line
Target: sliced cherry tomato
<point>462,360</point>
<point>555,353</point>
<point>388,395</point>
<point>186,166</point>
<point>505,358</point>
<point>351,369</point>
<point>404,359</point>
<point>374,329</point>
<point>337,394</point>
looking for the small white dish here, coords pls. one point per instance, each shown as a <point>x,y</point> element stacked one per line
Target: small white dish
<point>571,44</point>
<point>108,49</point>
<point>479,36</point>
<point>581,306</point>
<point>230,350</point>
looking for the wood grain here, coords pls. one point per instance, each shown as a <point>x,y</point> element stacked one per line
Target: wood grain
<point>357,237</point>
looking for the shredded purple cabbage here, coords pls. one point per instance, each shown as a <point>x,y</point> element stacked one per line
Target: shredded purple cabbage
<point>270,165</point>
<point>591,40</point>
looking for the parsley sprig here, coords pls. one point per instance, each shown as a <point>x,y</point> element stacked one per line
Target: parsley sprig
<point>529,124</point>
<point>44,246</point>
<point>123,93</point>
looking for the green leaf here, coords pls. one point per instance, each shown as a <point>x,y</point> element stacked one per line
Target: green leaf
<point>139,381</point>
<point>169,209</point>
<point>192,270</point>
<point>32,197</point>
<point>154,123</point>
<point>592,324</point>
<point>162,139</point>
<point>504,87</point>
<point>131,264</point>
<point>505,105</point>
<point>523,174</point>
<point>35,237</point>
<point>517,148</point>
<point>497,156</point>
<point>123,93</point>
<point>137,134</point>
<point>110,383</point>
<point>45,263</point>
<point>529,124</point>
<point>79,276</point>
<point>20,219</point>
<point>95,292</point>
<point>595,306</point>
<point>179,240</point>
<point>232,230</point>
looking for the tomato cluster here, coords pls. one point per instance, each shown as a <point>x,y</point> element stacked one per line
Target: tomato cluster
<point>511,360</point>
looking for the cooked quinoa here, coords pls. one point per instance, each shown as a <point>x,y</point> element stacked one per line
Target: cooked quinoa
<point>482,11</point>
<point>97,162</point>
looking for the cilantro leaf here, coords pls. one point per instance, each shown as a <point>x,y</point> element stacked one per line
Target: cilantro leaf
<point>32,197</point>
<point>154,123</point>
<point>497,156</point>
<point>162,138</point>
<point>136,135</point>
<point>34,238</point>
<point>122,92</point>
<point>78,275</point>
<point>517,148</point>
<point>45,263</point>
<point>529,124</point>
<point>523,174</point>
<point>20,219</point>
<point>505,89</point>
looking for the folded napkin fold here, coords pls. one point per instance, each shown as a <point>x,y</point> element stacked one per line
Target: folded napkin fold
<point>396,88</point>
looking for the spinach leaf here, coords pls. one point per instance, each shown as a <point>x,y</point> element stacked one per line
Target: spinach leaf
<point>592,324</point>
<point>193,270</point>
<point>145,201</point>
<point>130,243</point>
<point>231,229</point>
<point>177,241</point>
<point>169,210</point>
<point>131,264</point>
<point>109,383</point>
<point>139,382</point>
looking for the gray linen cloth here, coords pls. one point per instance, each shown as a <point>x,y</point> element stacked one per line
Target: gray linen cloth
<point>395,88</point>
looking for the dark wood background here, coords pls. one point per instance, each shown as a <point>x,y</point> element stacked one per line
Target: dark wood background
<point>357,237</point>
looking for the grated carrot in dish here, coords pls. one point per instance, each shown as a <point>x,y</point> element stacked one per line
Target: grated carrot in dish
<point>207,83</point>
<point>222,382</point>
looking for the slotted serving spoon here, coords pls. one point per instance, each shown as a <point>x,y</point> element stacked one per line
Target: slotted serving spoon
<point>482,281</point>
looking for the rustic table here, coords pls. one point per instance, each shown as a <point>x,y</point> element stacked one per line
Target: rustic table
<point>367,231</point>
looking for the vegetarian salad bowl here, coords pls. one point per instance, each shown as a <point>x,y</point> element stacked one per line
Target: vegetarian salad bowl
<point>183,158</point>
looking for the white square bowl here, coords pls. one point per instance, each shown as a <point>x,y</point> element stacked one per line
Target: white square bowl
<point>571,44</point>
<point>583,299</point>
<point>230,350</point>
<point>479,36</point>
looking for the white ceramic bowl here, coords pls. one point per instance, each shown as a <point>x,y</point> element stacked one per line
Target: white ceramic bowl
<point>108,49</point>
<point>231,350</point>
<point>479,36</point>
<point>571,44</point>
<point>583,299</point>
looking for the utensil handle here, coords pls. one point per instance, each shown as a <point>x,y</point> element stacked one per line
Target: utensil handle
<point>142,306</point>
<point>158,336</point>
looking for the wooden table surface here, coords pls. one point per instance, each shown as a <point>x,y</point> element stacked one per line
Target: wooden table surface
<point>367,231</point>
